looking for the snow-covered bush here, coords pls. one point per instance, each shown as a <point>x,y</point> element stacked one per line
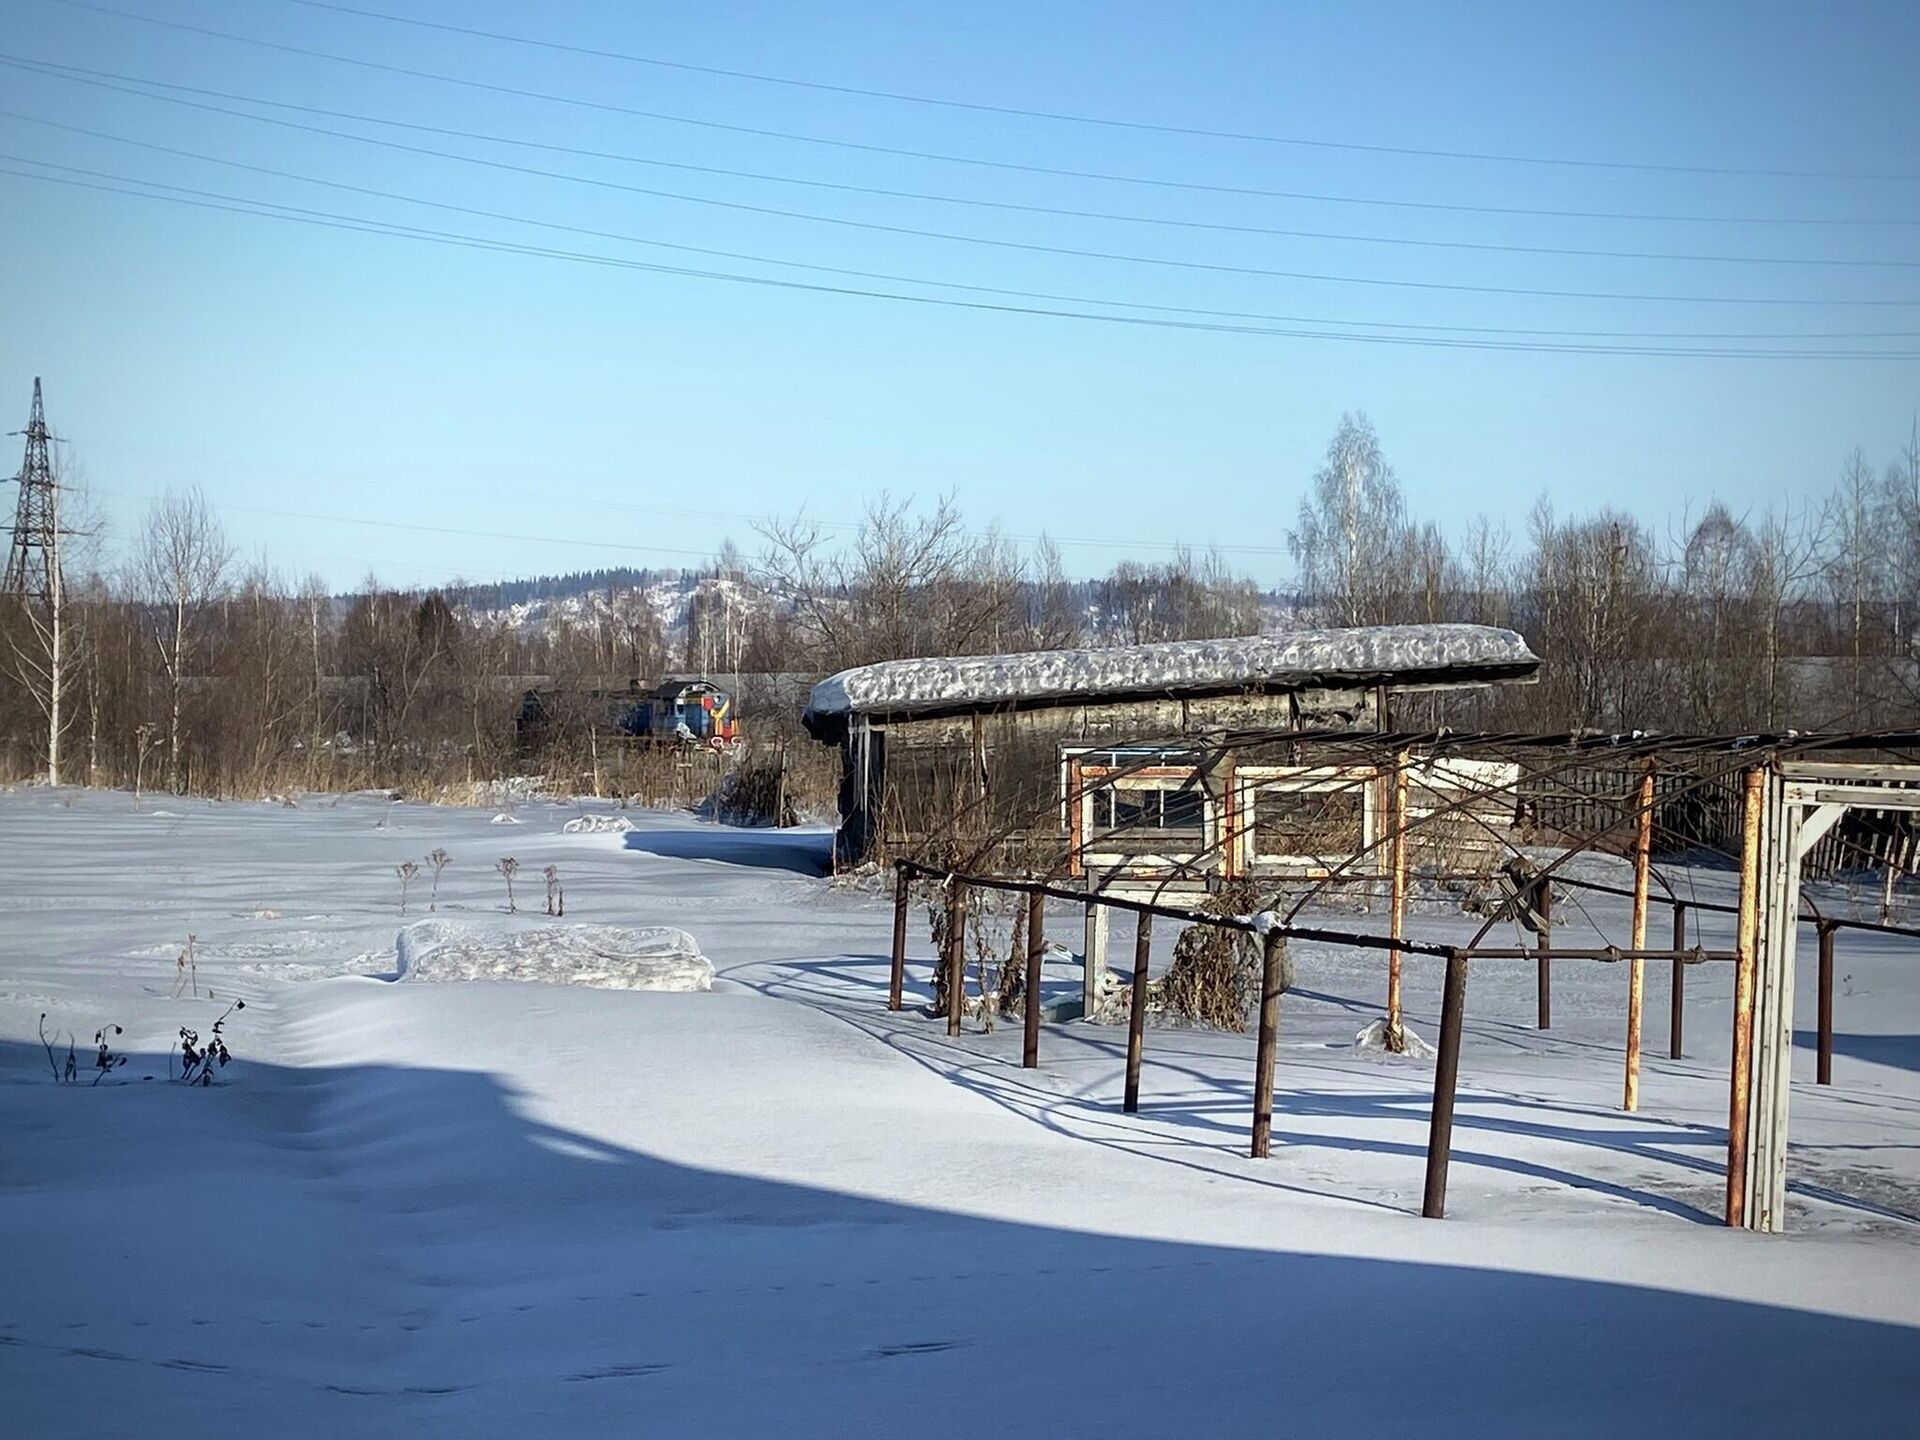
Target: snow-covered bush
<point>1216,974</point>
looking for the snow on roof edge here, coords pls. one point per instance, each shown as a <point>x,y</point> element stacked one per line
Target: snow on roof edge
<point>1296,656</point>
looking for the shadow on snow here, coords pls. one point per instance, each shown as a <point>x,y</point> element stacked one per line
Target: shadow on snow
<point>384,1245</point>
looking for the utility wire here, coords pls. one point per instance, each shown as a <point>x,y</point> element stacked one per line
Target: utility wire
<point>731,517</point>
<point>461,531</point>
<point>706,555</point>
<point>1073,118</point>
<point>797,137</point>
<point>275,211</point>
<point>1019,245</point>
<point>75,75</point>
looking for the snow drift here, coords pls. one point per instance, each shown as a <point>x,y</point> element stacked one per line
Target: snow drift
<point>598,825</point>
<point>605,957</point>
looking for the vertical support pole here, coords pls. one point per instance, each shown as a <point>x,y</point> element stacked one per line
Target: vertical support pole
<point>1137,1010</point>
<point>1036,947</point>
<point>1740,1087</point>
<point>1397,864</point>
<point>1272,964</point>
<point>1677,1008</point>
<point>1637,977</point>
<point>1824,1075</point>
<point>1772,1027</point>
<point>957,959</point>
<point>1446,1081</point>
<point>1544,951</point>
<point>902,888</point>
<point>1093,959</point>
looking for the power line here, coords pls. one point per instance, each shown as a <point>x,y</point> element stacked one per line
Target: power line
<point>990,242</point>
<point>739,517</point>
<point>1073,118</point>
<point>519,536</point>
<point>75,75</point>
<point>274,211</point>
<point>704,556</point>
<point>899,152</point>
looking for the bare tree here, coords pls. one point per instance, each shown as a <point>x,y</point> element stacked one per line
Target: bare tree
<point>1349,529</point>
<point>180,568</point>
<point>1717,562</point>
<point>1786,559</point>
<point>1856,532</point>
<point>44,637</point>
<point>904,585</point>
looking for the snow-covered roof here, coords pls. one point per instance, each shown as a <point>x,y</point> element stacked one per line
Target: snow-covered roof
<point>1369,654</point>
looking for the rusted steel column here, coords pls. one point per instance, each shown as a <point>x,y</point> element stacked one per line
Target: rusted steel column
<point>1545,948</point>
<point>1397,865</point>
<point>1273,962</point>
<point>902,887</point>
<point>1637,969</point>
<point>1677,1009</point>
<point>1446,1080</point>
<point>1036,944</point>
<point>1137,1010</point>
<point>957,959</point>
<point>1740,1087</point>
<point>1824,1074</point>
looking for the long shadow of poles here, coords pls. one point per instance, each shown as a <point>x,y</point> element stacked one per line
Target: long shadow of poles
<point>847,986</point>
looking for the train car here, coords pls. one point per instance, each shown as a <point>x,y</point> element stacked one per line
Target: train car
<point>680,710</point>
<point>690,712</point>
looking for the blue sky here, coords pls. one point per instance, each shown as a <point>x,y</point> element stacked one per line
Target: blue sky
<point>307,377</point>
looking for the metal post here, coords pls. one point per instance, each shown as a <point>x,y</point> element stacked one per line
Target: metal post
<point>1036,945</point>
<point>902,887</point>
<point>1545,949</point>
<point>1637,969</point>
<point>1446,1080</point>
<point>957,959</point>
<point>1824,1074</point>
<point>1093,959</point>
<point>1740,1088</point>
<point>1677,1008</point>
<point>1397,862</point>
<point>1137,1011</point>
<point>1273,962</point>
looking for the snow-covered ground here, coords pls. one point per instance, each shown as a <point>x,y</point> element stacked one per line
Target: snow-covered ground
<point>500,1207</point>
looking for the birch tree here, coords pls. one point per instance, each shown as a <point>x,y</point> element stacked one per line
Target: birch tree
<point>44,638</point>
<point>182,562</point>
<point>1856,529</point>
<point>1350,526</point>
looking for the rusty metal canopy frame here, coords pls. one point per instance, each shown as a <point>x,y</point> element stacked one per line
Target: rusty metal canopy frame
<point>1656,772</point>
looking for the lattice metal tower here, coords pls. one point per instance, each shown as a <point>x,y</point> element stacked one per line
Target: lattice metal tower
<point>33,562</point>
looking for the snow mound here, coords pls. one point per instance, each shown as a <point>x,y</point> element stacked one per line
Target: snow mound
<point>1373,1040</point>
<point>503,819</point>
<point>598,825</point>
<point>605,957</point>
<point>1299,657</point>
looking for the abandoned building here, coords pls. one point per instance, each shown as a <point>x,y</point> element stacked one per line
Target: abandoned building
<point>1087,762</point>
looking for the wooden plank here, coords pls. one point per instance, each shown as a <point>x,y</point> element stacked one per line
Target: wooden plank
<point>1842,770</point>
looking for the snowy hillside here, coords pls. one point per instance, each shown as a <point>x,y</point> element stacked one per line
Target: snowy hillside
<point>669,597</point>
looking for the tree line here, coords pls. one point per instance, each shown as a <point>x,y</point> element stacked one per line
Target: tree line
<point>181,667</point>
